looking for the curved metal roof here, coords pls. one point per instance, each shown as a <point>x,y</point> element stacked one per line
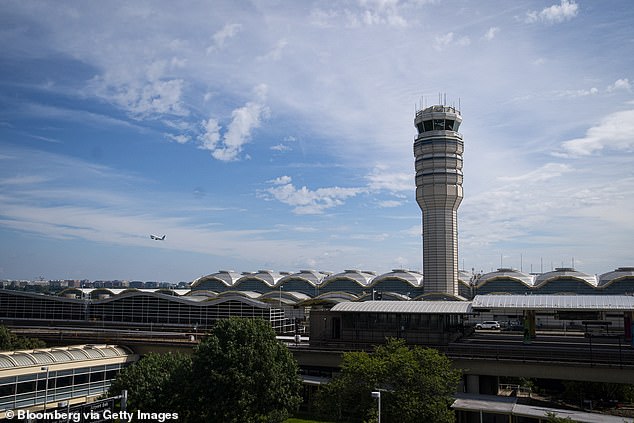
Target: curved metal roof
<point>554,302</point>
<point>412,277</point>
<point>227,277</point>
<point>312,277</point>
<point>414,307</point>
<point>504,273</point>
<point>267,277</point>
<point>565,273</point>
<point>56,355</point>
<point>363,278</point>
<point>618,274</point>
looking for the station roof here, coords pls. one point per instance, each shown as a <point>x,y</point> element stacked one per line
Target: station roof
<point>509,407</point>
<point>45,356</point>
<point>554,302</point>
<point>414,307</point>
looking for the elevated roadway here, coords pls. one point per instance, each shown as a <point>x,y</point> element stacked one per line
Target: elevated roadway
<point>570,357</point>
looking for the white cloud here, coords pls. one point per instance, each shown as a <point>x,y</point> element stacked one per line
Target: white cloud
<point>306,201</point>
<point>143,99</point>
<point>219,38</point>
<point>368,13</point>
<point>281,180</point>
<point>276,52</point>
<point>383,177</point>
<point>281,148</point>
<point>243,121</point>
<point>543,173</point>
<point>180,138</point>
<point>491,33</point>
<point>390,203</point>
<point>211,134</point>
<point>556,13</point>
<point>620,85</point>
<point>578,93</point>
<point>615,132</point>
<point>449,39</point>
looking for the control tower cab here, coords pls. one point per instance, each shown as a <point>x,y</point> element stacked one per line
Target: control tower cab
<point>438,151</point>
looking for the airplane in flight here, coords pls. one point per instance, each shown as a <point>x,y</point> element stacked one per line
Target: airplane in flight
<point>157,238</point>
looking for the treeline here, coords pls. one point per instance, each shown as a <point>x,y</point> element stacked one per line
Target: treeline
<point>11,342</point>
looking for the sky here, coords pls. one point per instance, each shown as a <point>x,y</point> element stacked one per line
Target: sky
<point>278,134</point>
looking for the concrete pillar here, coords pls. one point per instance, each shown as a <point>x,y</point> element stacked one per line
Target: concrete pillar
<point>628,325</point>
<point>489,385</point>
<point>472,383</point>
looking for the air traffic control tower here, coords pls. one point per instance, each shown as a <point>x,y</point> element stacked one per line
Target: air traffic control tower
<point>438,150</point>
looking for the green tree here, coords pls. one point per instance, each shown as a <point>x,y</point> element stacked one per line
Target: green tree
<point>553,418</point>
<point>156,383</point>
<point>10,341</point>
<point>242,373</point>
<point>598,391</point>
<point>417,384</point>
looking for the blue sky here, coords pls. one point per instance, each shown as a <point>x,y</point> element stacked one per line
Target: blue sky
<point>278,134</point>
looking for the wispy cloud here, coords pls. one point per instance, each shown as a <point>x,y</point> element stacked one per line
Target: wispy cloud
<point>491,33</point>
<point>219,38</point>
<point>243,121</point>
<point>382,177</point>
<point>306,201</point>
<point>620,85</point>
<point>614,132</point>
<point>556,13</point>
<point>450,39</point>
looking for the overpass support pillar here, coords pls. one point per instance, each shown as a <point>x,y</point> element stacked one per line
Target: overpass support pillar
<point>628,326</point>
<point>489,385</point>
<point>481,384</point>
<point>472,384</point>
<point>529,323</point>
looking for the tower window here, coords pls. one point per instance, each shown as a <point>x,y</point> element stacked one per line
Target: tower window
<point>449,125</point>
<point>439,124</point>
<point>428,125</point>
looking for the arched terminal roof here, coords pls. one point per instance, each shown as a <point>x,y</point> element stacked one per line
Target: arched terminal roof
<point>227,278</point>
<point>506,274</point>
<point>269,277</point>
<point>312,277</point>
<point>565,273</point>
<point>362,278</point>
<point>58,355</point>
<point>616,275</point>
<point>330,298</point>
<point>415,279</point>
<point>286,297</point>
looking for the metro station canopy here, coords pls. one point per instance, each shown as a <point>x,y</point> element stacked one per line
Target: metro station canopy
<point>555,302</point>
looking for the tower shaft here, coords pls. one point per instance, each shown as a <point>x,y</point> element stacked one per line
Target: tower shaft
<point>438,149</point>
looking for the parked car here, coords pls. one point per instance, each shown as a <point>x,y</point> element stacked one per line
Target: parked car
<point>490,324</point>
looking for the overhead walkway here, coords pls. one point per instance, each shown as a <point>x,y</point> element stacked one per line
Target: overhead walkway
<point>44,378</point>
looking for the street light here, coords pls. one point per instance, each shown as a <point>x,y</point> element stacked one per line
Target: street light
<point>45,387</point>
<point>377,396</point>
<point>280,301</point>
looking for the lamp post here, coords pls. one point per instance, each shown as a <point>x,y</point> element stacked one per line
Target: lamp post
<point>45,386</point>
<point>280,301</point>
<point>377,396</point>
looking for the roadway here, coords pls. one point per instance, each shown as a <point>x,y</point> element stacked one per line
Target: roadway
<point>550,356</point>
